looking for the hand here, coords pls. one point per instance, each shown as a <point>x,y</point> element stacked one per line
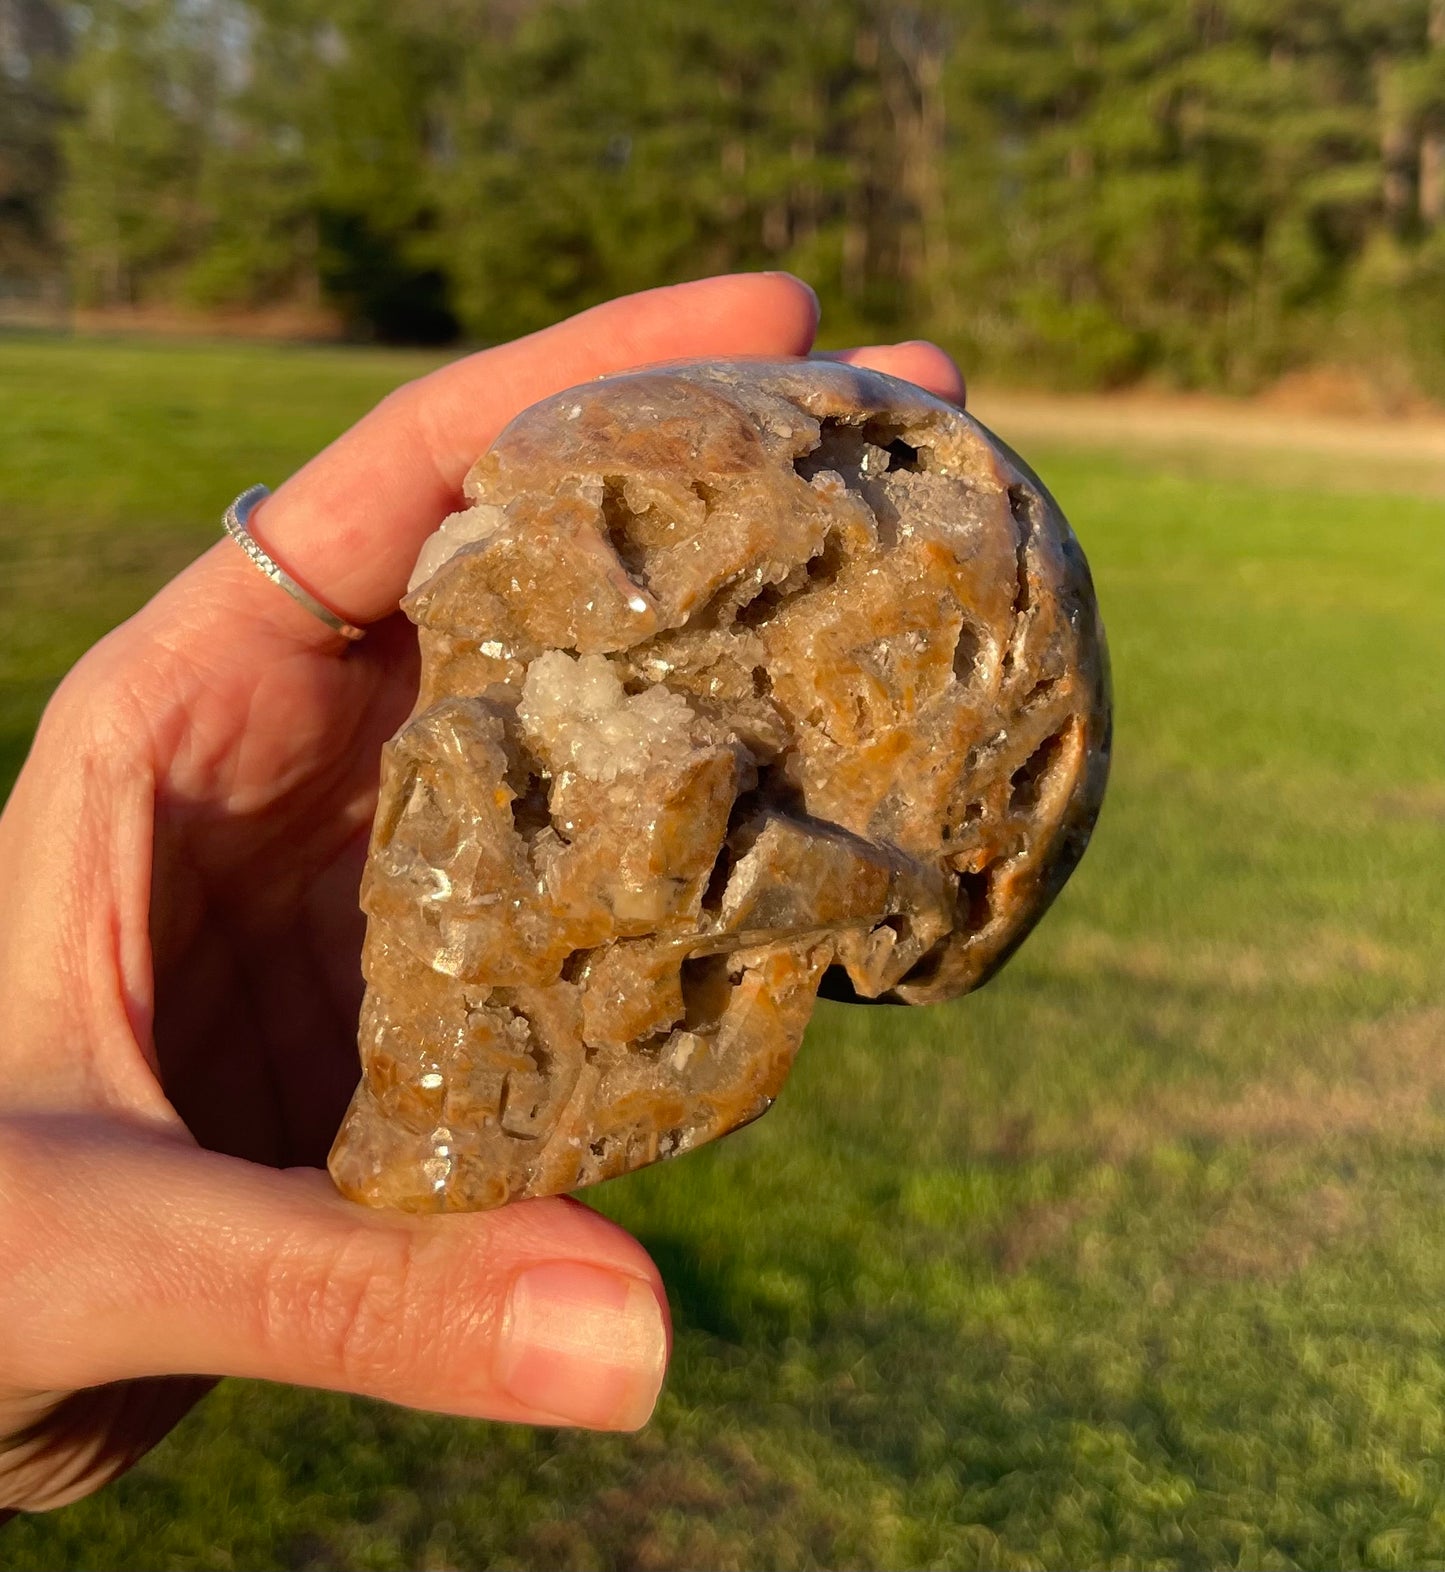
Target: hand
<point>179,981</point>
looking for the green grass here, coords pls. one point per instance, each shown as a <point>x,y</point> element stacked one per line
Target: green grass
<point>1136,1258</point>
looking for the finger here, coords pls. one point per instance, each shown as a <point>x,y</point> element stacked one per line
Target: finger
<point>348,526</point>
<point>916,361</point>
<point>56,1447</point>
<point>155,1258</point>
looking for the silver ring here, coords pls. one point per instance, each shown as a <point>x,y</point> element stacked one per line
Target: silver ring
<point>236,519</point>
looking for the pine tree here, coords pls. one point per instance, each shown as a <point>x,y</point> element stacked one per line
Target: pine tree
<point>144,84</point>
<point>1078,190</point>
<point>33,46</point>
<point>612,144</point>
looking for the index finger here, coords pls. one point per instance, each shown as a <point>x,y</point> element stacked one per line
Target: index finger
<point>349,524</point>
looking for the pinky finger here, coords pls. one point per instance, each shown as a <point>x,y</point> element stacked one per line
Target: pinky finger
<point>916,361</point>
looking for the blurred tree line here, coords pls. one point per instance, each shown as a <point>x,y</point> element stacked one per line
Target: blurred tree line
<point>1083,191</point>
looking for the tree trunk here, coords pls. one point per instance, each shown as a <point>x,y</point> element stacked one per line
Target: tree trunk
<point>855,243</point>
<point>1396,149</point>
<point>1432,139</point>
<point>912,83</point>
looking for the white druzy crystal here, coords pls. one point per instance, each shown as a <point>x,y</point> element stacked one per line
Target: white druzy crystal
<point>576,714</point>
<point>457,530</point>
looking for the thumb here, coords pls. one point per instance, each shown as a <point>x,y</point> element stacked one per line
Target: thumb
<point>132,1254</point>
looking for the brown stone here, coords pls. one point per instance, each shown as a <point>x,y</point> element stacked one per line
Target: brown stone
<point>738,679</point>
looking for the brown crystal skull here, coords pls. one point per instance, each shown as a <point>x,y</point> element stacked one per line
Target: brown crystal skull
<point>738,678</point>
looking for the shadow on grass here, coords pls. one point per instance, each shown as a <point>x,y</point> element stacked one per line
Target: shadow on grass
<point>706,1296</point>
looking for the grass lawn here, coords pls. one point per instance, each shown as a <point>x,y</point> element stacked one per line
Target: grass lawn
<point>1136,1258</point>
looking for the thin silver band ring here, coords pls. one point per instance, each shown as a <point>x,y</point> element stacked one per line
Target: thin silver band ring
<point>236,519</point>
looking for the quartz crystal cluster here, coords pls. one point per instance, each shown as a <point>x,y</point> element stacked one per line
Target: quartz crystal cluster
<point>739,679</point>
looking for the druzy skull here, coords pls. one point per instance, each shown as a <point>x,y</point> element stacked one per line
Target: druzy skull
<point>740,679</point>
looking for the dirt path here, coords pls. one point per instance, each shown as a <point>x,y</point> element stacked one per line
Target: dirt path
<point>1364,452</point>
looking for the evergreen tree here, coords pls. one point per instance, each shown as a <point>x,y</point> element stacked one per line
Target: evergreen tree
<point>144,84</point>
<point>33,43</point>
<point>318,185</point>
<point>611,144</point>
<point>1078,190</point>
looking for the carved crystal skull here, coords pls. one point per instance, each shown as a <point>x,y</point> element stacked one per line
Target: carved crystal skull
<point>739,679</point>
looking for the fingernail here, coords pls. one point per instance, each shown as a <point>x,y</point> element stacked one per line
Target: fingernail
<point>784,273</point>
<point>583,1345</point>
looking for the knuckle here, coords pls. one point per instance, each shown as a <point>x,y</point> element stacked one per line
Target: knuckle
<point>414,405</point>
<point>357,1316</point>
<point>91,708</point>
<point>403,395</point>
<point>408,405</point>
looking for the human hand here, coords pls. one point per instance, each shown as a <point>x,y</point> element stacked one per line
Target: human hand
<point>179,980</point>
